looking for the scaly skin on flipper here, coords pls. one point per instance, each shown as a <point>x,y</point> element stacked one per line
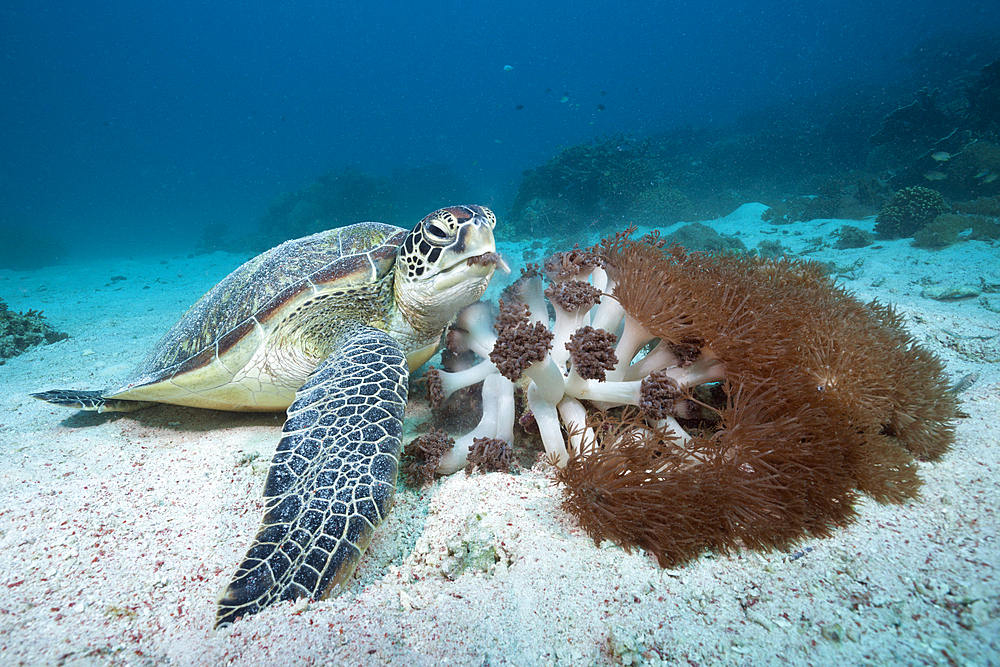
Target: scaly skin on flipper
<point>332,478</point>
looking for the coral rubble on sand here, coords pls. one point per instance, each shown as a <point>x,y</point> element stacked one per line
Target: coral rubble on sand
<point>20,331</point>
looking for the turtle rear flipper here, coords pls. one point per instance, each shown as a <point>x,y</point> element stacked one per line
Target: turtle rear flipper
<point>332,478</point>
<point>89,400</point>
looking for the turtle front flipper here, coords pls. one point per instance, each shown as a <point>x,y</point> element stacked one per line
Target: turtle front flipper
<point>332,478</point>
<point>89,400</point>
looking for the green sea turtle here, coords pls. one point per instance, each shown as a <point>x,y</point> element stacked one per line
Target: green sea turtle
<point>328,326</point>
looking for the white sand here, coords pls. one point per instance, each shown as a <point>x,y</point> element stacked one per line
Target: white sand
<point>117,532</point>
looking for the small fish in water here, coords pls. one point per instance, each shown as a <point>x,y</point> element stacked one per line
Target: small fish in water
<point>964,383</point>
<point>935,176</point>
<point>982,172</point>
<point>508,68</point>
<point>942,156</point>
<point>989,178</point>
<point>600,107</point>
<point>518,107</point>
<point>564,99</point>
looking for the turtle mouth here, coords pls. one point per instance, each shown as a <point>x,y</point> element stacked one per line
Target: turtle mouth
<point>475,267</point>
<point>491,258</point>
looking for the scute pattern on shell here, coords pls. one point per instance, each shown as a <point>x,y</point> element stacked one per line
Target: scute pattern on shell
<point>262,285</point>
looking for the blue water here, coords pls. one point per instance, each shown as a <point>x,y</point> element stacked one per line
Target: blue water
<point>128,127</point>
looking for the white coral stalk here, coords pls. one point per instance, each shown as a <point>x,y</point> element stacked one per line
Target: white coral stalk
<point>547,419</point>
<point>547,379</point>
<point>609,393</point>
<point>659,357</point>
<point>574,416</point>
<point>706,368</point>
<point>531,294</point>
<point>497,422</point>
<point>452,381</point>
<point>632,339</point>
<point>476,321</point>
<point>566,323</point>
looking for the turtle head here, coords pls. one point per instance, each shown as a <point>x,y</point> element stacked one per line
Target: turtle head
<point>444,264</point>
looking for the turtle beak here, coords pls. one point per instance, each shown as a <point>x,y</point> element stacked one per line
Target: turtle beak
<point>493,258</point>
<point>472,268</point>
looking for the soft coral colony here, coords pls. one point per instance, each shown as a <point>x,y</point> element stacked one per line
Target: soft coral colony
<point>697,402</point>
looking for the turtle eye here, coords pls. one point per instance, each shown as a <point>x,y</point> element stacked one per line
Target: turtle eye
<point>437,231</point>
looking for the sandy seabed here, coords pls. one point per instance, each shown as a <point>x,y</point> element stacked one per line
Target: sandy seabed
<point>118,532</point>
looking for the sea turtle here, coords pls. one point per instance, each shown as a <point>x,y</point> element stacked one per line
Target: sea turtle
<point>328,326</point>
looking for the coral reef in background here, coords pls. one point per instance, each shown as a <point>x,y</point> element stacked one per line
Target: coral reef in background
<point>693,402</point>
<point>948,136</point>
<point>950,228</point>
<point>659,206</point>
<point>21,331</point>
<point>849,236</point>
<point>702,238</point>
<point>590,180</point>
<point>833,153</point>
<point>945,56</point>
<point>959,166</point>
<point>982,112</point>
<point>836,153</point>
<point>335,199</point>
<point>973,170</point>
<point>988,206</point>
<point>849,196</point>
<point>915,125</point>
<point>910,209</point>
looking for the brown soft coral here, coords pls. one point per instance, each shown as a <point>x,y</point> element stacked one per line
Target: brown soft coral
<point>572,264</point>
<point>824,396</point>
<point>573,295</point>
<point>520,343</point>
<point>762,482</point>
<point>592,352</point>
<point>424,454</point>
<point>489,455</point>
<point>659,395</point>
